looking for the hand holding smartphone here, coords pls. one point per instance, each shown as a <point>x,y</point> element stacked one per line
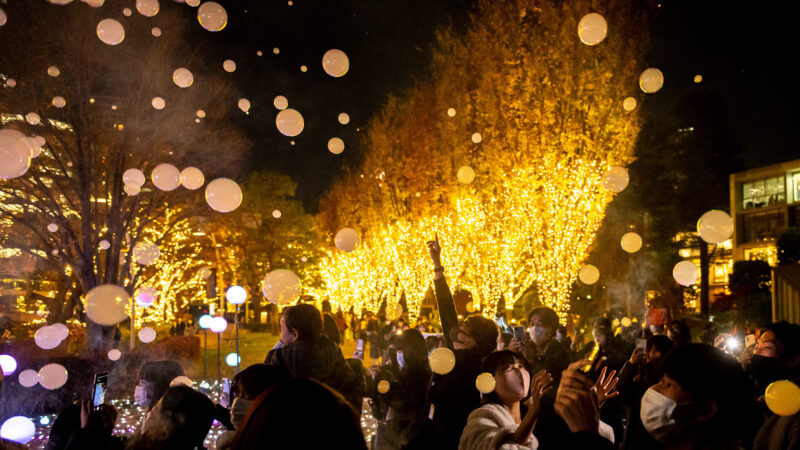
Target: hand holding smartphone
<point>99,389</point>
<point>519,333</point>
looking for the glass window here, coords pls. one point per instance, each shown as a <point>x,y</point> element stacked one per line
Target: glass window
<point>796,186</point>
<point>763,227</point>
<point>765,192</point>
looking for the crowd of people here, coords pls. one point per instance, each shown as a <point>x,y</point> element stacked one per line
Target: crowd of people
<point>643,390</point>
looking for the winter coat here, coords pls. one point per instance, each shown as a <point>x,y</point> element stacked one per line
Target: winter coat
<point>491,427</point>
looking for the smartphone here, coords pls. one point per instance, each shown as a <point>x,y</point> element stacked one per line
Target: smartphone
<point>596,360</point>
<point>749,340</point>
<point>99,391</point>
<point>359,349</point>
<point>226,386</point>
<point>641,344</point>
<point>519,333</point>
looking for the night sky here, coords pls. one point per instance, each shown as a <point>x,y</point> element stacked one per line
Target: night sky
<point>743,53</point>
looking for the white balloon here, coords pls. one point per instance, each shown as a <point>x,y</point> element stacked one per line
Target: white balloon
<point>589,274</point>
<point>60,331</point>
<point>145,253</point>
<point>52,228</point>
<point>232,359</point>
<point>52,376</point>
<point>158,103</point>
<point>95,3</point>
<point>110,31</point>
<point>592,29</point>
<point>629,104</point>
<point>192,3</point>
<point>47,338</point>
<point>192,178</point>
<point>335,63</point>
<point>223,195</point>
<point>105,304</point>
<point>8,364</point>
<point>477,138</point>
<point>244,105</point>
<point>651,80</point>
<point>686,273</point>
<point>147,335</point>
<point>15,154</point>
<point>201,114</point>
<point>276,214</point>
<point>145,296</point>
<point>465,175</point>
<point>344,118</point>
<point>218,324</point>
<point>280,102</point>
<point>11,82</point>
<point>182,77</point>
<point>19,429</point>
<point>53,71</point>
<point>147,8</point>
<point>229,65</point>
<point>236,295</point>
<point>616,179</point>
<point>290,122</point>
<point>485,383</point>
<point>212,16</point>
<point>131,189</point>
<point>155,31</point>
<point>3,17</point>
<point>125,12</point>
<point>451,112</point>
<point>105,245</point>
<point>631,242</point>
<point>166,177</point>
<point>28,378</point>
<point>114,354</point>
<point>442,360</point>
<point>698,78</point>
<point>134,177</point>
<point>335,145</point>
<point>715,226</point>
<point>33,118</point>
<point>59,101</point>
<point>347,239</point>
<point>280,287</point>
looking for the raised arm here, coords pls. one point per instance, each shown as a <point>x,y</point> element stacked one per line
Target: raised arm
<point>444,298</point>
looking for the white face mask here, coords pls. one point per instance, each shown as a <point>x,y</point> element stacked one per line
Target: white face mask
<point>539,334</point>
<point>140,396</point>
<point>239,409</point>
<point>514,384</point>
<point>656,414</point>
<point>401,360</point>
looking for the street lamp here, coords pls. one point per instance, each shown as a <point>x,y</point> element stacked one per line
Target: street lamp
<point>205,323</point>
<point>218,325</point>
<point>236,295</point>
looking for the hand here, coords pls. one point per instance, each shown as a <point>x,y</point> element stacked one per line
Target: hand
<point>574,379</point>
<point>638,356</point>
<point>540,383</point>
<point>225,400</point>
<point>435,251</point>
<point>516,346</point>
<point>605,385</point>
<point>86,412</point>
<point>578,408</point>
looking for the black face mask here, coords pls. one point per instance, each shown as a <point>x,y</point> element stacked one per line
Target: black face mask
<point>764,370</point>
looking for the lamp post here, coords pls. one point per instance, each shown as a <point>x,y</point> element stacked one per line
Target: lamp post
<point>236,295</point>
<point>205,323</point>
<point>218,325</point>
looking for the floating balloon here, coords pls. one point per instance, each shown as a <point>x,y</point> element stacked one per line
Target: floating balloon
<point>244,105</point>
<point>147,335</point>
<point>629,104</point>
<point>95,3</point>
<point>212,16</point>
<point>193,3</point>
<point>166,177</point>
<point>335,145</point>
<point>52,376</point>
<point>11,82</point>
<point>192,178</point>
<point>485,383</point>
<point>205,321</point>
<point>442,360</point>
<point>589,274</point>
<point>715,226</point>
<point>276,50</point>
<point>182,77</point>
<point>33,118</point>
<point>8,364</point>
<point>626,322</point>
<point>201,114</point>
<point>3,17</point>
<point>347,239</point>
<point>218,324</point>
<point>158,103</point>
<point>114,354</point>
<point>631,242</point>
<point>232,359</point>
<point>155,31</point>
<point>60,331</point>
<point>105,304</point>
<point>229,65</point>
<point>289,122</point>
<point>616,179</point>
<point>147,8</point>
<point>131,189</point>
<point>470,307</point>
<point>465,175</point>
<point>47,338</point>
<point>145,253</point>
<point>105,245</point>
<point>783,398</point>
<point>53,71</point>
<point>335,63</point>
<point>383,386</point>
<point>223,195</point>
<point>592,29</point>
<point>52,228</point>
<point>236,295</point>
<point>276,214</point>
<point>344,118</point>
<point>477,138</point>
<point>28,378</point>
<point>59,101</point>
<point>134,177</point>
<point>18,429</point>
<point>204,273</point>
<point>698,78</point>
<point>651,80</point>
<point>126,12</point>
<point>110,31</point>
<point>686,273</point>
<point>280,103</point>
<point>281,287</point>
<point>451,112</point>
<point>146,295</point>
<point>34,145</point>
<point>15,154</point>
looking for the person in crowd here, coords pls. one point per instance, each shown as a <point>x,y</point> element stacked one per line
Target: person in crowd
<point>330,329</point>
<point>504,340</point>
<point>402,408</point>
<point>703,400</point>
<point>95,429</point>
<point>453,396</point>
<point>305,352</point>
<point>300,414</point>
<point>543,352</point>
<point>67,422</point>
<point>154,380</point>
<point>245,387</point>
<point>509,413</point>
<point>180,420</point>
<point>777,357</point>
<point>637,375</point>
<point>613,350</point>
<point>678,331</point>
<point>562,337</point>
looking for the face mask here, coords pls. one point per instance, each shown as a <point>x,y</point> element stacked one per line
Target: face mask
<point>663,418</point>
<point>140,396</point>
<point>401,361</point>
<point>539,334</point>
<point>239,409</point>
<point>764,370</point>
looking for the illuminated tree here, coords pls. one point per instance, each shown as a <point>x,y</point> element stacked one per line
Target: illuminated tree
<point>107,126</point>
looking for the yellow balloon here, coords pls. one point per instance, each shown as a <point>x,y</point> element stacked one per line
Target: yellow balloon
<point>783,398</point>
<point>442,360</point>
<point>383,386</point>
<point>485,383</point>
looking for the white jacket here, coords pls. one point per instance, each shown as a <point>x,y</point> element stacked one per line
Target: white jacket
<point>491,427</point>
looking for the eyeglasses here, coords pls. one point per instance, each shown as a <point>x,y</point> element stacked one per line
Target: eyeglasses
<point>509,367</point>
